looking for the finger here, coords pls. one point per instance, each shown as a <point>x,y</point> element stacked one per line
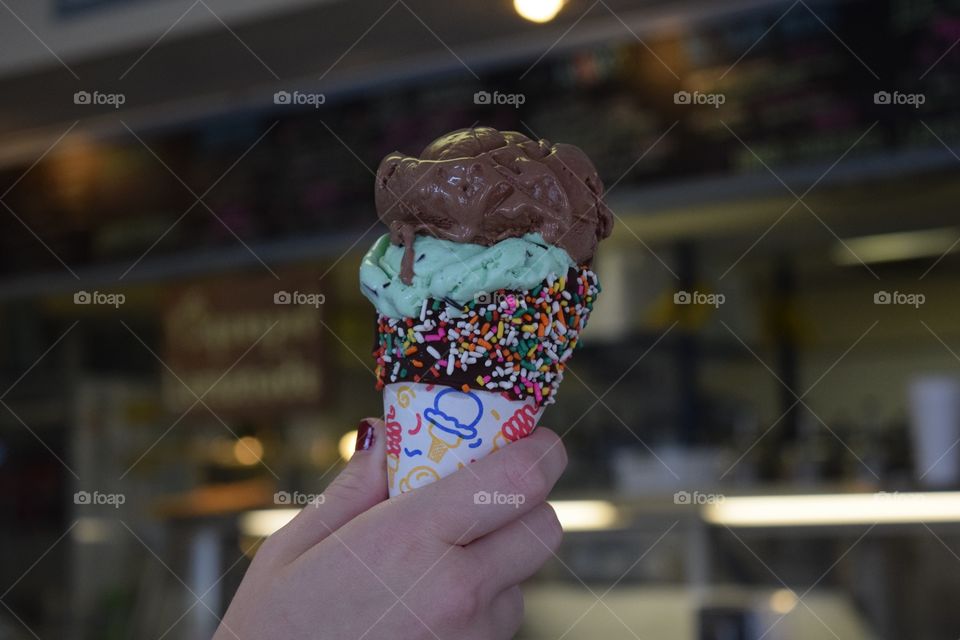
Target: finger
<point>360,486</point>
<point>489,493</point>
<point>506,613</point>
<point>515,552</point>
<point>499,620</point>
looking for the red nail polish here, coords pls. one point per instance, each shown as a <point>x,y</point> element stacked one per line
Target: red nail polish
<point>366,434</point>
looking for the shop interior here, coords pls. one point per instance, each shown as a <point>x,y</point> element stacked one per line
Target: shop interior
<point>762,420</point>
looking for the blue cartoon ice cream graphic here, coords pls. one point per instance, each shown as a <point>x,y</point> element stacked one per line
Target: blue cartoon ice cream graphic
<point>453,419</point>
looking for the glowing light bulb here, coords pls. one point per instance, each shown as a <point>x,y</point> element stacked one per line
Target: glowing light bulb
<point>783,601</point>
<point>538,10</point>
<point>248,450</point>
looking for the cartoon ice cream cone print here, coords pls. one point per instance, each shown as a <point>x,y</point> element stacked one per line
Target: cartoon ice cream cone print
<point>417,477</point>
<point>441,442</point>
<point>453,419</point>
<point>443,429</point>
<point>394,437</point>
<point>393,463</point>
<point>521,423</point>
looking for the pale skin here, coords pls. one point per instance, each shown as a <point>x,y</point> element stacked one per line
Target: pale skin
<point>427,565</point>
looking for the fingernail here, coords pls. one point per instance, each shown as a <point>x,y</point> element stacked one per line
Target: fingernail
<point>366,434</point>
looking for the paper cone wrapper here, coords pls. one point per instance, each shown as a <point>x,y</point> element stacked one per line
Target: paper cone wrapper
<point>433,430</point>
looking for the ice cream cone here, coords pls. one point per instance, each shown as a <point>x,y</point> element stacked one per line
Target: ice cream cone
<point>436,429</point>
<point>460,383</point>
<point>441,442</point>
<point>479,307</point>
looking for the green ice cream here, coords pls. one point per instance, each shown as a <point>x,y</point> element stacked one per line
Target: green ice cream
<point>455,270</point>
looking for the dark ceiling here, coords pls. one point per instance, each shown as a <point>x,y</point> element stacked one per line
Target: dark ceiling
<point>333,47</point>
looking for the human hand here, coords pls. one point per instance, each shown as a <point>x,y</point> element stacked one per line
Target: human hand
<point>431,564</point>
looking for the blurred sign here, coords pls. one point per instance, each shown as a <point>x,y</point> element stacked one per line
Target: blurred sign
<point>247,345</point>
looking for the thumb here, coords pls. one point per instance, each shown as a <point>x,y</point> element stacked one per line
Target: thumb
<point>359,487</point>
<point>363,483</point>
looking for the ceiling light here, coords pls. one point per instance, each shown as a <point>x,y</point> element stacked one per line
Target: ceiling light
<point>891,247</point>
<point>834,509</point>
<point>539,11</point>
<point>585,515</point>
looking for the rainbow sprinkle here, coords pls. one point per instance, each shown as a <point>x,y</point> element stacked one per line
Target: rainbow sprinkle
<point>516,343</point>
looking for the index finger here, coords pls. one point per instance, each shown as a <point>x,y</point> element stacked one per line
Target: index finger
<point>487,494</point>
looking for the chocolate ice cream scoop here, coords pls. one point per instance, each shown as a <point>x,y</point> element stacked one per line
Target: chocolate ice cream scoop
<point>482,186</point>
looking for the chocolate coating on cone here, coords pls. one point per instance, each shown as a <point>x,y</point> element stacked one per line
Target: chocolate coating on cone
<point>516,343</point>
<point>482,186</point>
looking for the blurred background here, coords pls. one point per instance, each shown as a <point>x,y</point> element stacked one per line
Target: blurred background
<point>763,419</point>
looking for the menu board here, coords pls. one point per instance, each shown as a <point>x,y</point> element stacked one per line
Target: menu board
<point>246,345</point>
